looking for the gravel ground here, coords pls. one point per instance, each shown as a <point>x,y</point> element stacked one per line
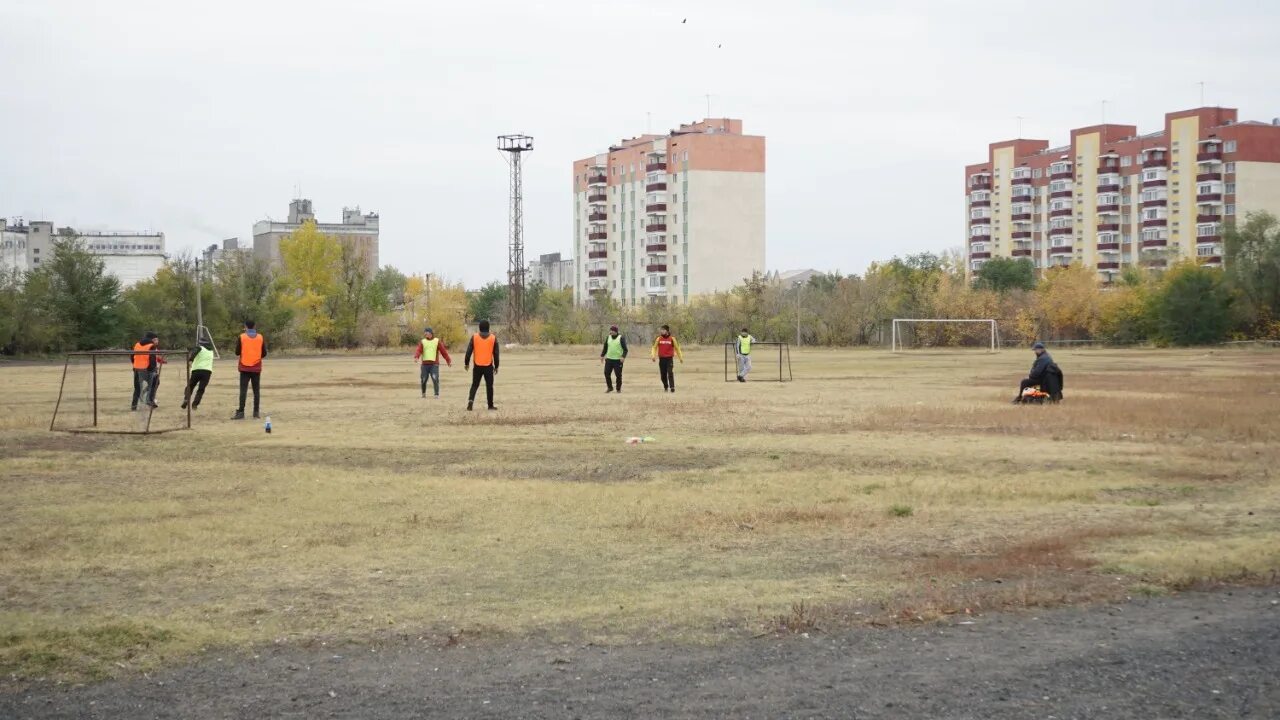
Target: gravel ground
<point>1194,655</point>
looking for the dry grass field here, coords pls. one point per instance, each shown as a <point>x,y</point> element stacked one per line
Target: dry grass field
<point>874,488</point>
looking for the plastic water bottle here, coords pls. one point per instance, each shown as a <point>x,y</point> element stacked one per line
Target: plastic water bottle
<point>267,425</point>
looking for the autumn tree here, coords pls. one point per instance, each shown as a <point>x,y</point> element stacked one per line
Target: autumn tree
<point>1253,270</point>
<point>1192,306</point>
<point>310,265</point>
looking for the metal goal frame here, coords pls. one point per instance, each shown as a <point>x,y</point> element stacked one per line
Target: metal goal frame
<point>93,428</point>
<point>896,344</point>
<point>784,360</point>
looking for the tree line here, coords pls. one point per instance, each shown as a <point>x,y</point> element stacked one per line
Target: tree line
<point>323,295</point>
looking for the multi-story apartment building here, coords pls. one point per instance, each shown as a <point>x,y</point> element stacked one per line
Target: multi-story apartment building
<point>1112,198</point>
<point>358,231</point>
<point>131,257</point>
<point>552,271</point>
<point>663,218</point>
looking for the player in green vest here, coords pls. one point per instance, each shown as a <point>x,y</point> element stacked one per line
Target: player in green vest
<point>742,351</point>
<point>430,350</point>
<point>612,355</point>
<point>201,359</point>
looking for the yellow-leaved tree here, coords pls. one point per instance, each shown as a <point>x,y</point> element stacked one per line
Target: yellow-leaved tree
<point>311,263</point>
<point>1069,302</point>
<point>433,301</point>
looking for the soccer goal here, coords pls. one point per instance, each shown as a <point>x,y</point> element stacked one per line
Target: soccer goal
<point>98,389</point>
<point>938,332</point>
<point>763,356</point>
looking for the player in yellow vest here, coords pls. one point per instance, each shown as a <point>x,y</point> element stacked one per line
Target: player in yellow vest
<point>430,350</point>
<point>742,351</point>
<point>201,359</point>
<point>612,355</point>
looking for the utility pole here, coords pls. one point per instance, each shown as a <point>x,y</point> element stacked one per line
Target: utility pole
<point>515,146</point>
<point>798,286</point>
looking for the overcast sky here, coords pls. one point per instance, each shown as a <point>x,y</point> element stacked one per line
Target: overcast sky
<point>198,119</point>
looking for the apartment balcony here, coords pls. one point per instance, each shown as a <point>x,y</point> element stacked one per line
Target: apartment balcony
<point>1155,222</point>
<point>1059,231</point>
<point>1060,194</point>
<point>1021,252</point>
<point>655,268</point>
<point>1156,244</point>
<point>1108,247</point>
<point>1154,160</point>
<point>1109,187</point>
<point>1208,218</point>
<point>596,197</point>
<point>1020,234</point>
<point>656,186</point>
<point>1209,176</point>
<point>979,239</point>
<point>598,180</point>
<point>1209,155</point>
<point>656,247</point>
<point>597,273</point>
<point>1061,250</point>
<point>1160,182</point>
<point>597,217</point>
<point>1208,239</point>
<point>1215,260</point>
<point>597,254</point>
<point>1155,263</point>
<point>1108,227</point>
<point>1063,175</point>
<point>1209,198</point>
<point>1021,217</point>
<point>656,227</point>
<point>980,184</point>
<point>980,221</point>
<point>1108,209</point>
<point>1019,197</point>
<point>595,286</point>
<point>979,255</point>
<point>656,166</point>
<point>1108,266</point>
<point>1060,212</point>
<point>1159,202</point>
<point>656,207</point>
<point>653,285</point>
<point>598,235</point>
<point>1024,181</point>
<point>1108,168</point>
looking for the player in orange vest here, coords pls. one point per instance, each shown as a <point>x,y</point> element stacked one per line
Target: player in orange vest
<point>146,371</point>
<point>251,347</point>
<point>483,348</point>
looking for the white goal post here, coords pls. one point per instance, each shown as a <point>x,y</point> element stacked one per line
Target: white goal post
<point>896,341</point>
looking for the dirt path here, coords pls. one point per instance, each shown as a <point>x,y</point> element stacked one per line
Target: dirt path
<point>1201,655</point>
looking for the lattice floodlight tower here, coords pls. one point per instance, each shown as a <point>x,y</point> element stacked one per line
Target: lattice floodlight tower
<point>515,146</point>
<point>97,386</point>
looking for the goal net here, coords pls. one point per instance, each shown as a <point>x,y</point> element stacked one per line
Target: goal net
<point>97,392</point>
<point>914,333</point>
<point>768,362</point>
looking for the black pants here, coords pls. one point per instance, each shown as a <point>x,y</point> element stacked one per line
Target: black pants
<point>246,379</point>
<point>198,382</point>
<point>148,378</point>
<point>478,373</point>
<point>613,368</point>
<point>667,369</point>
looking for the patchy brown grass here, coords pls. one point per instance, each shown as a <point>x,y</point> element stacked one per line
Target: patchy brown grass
<point>763,507</point>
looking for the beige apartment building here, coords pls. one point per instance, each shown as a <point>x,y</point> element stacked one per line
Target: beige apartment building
<point>1113,198</point>
<point>356,230</point>
<point>664,218</point>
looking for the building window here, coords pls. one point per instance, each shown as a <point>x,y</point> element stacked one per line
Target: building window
<point>1230,146</point>
<point>1231,188</point>
<point>1230,209</point>
<point>1229,167</point>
